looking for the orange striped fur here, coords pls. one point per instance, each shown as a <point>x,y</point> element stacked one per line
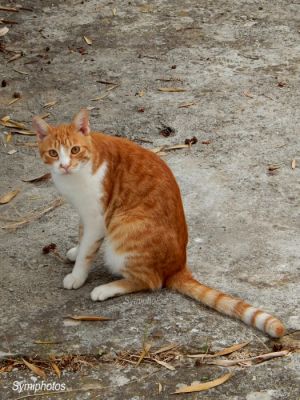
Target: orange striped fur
<point>144,229</point>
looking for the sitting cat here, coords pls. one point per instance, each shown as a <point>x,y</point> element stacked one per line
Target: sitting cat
<point>127,197</point>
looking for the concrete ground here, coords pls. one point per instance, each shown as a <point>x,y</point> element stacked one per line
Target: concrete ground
<point>238,62</point>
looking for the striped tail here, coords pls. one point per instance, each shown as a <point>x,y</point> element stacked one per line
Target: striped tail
<point>184,283</point>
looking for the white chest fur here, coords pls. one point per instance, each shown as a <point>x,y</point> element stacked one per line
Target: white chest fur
<point>84,190</point>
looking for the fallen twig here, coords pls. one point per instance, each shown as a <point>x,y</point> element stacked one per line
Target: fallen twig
<point>186,105</point>
<point>9,9</point>
<point>170,79</point>
<point>7,21</point>
<point>144,352</point>
<point>20,72</point>
<point>106,93</point>
<point>245,361</point>
<point>168,347</point>
<point>34,215</point>
<point>107,82</point>
<point>171,89</point>
<point>158,150</point>
<point>88,318</point>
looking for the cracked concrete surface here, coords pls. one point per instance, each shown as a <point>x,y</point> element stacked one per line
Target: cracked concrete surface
<point>239,64</point>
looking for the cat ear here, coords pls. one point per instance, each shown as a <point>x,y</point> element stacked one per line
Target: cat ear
<point>41,128</point>
<point>81,122</point>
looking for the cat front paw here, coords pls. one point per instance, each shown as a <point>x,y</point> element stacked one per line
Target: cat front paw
<point>72,253</point>
<point>72,281</point>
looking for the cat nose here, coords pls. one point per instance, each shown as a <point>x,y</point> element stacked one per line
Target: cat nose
<point>65,166</point>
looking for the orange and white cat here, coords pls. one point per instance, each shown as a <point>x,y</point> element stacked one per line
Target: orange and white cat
<point>127,197</point>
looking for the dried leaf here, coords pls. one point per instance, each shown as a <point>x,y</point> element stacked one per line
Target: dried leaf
<point>3,31</point>
<point>88,318</point>
<point>231,349</point>
<point>159,387</point>
<point>281,84</point>
<point>23,132</point>
<point>166,348</point>
<point>56,369</point>
<point>38,371</point>
<point>41,178</point>
<point>13,151</point>
<point>87,40</point>
<point>248,94</point>
<point>156,149</point>
<point>13,101</point>
<point>204,386</point>
<point>45,342</point>
<point>273,167</point>
<point>220,353</point>
<point>191,141</point>
<point>186,105</point>
<point>167,131</point>
<point>293,164</point>
<point>5,118</point>
<point>9,123</point>
<point>171,89</point>
<point>49,248</point>
<point>176,147</point>
<point>45,115</point>
<point>8,137</point>
<point>164,364</point>
<point>7,197</point>
<point>15,57</point>
<point>289,342</point>
<point>114,11</point>
<point>50,104</point>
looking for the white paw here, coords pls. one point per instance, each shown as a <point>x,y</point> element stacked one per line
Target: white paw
<point>72,253</point>
<point>72,281</point>
<point>103,292</point>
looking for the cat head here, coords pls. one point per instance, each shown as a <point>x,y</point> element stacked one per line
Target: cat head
<point>65,148</point>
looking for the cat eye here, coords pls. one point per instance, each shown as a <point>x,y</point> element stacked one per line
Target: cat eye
<point>53,153</point>
<point>75,149</point>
